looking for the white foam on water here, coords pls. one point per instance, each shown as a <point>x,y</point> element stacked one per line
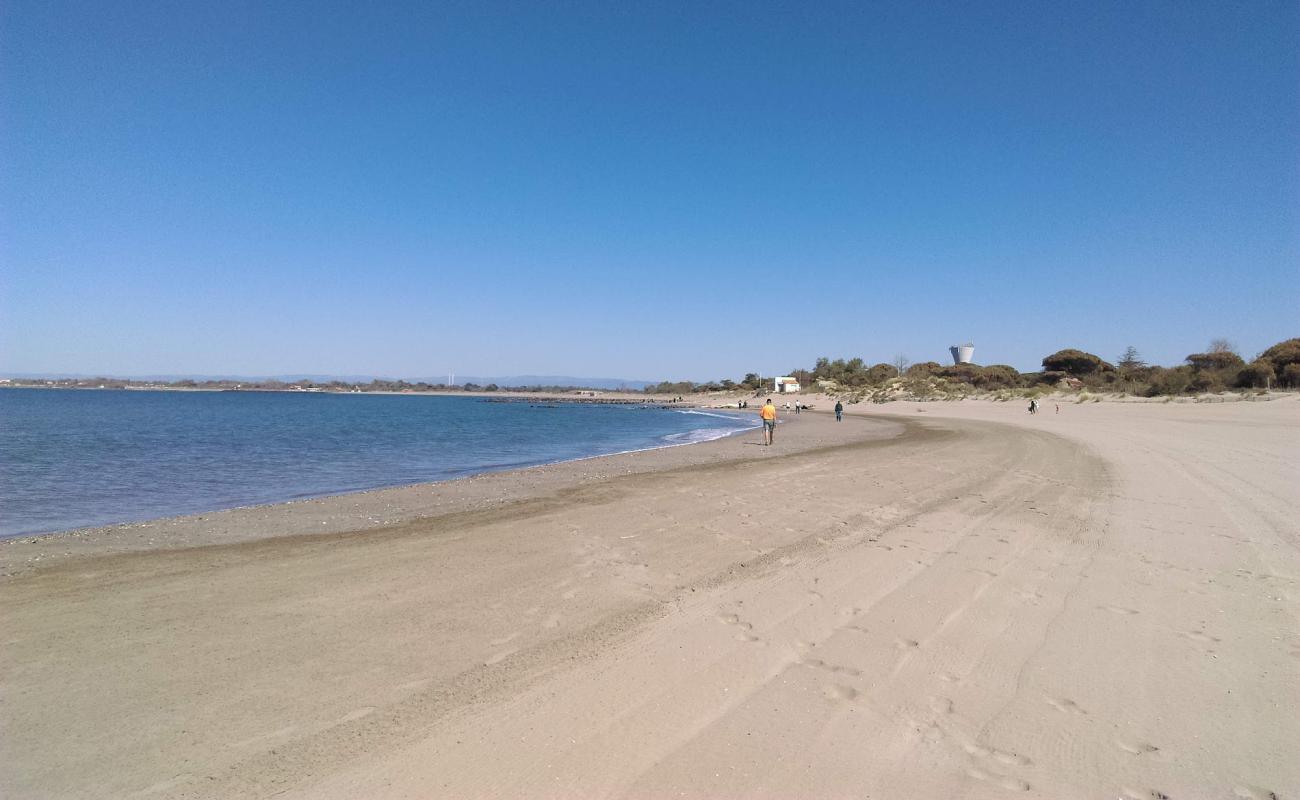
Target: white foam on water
<point>703,435</point>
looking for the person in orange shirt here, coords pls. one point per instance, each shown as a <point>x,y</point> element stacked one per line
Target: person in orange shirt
<point>768,413</point>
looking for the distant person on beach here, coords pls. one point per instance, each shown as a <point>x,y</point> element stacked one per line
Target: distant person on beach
<point>839,411</point>
<point>1033,406</point>
<point>1058,408</point>
<point>768,413</point>
<point>797,409</point>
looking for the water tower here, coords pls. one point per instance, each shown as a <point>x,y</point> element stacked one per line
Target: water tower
<point>962,353</point>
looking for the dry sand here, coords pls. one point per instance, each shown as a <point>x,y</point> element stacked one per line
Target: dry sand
<point>926,600</point>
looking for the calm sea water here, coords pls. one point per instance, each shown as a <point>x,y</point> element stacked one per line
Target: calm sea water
<point>71,458</point>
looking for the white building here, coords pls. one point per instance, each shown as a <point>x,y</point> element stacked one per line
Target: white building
<point>785,384</point>
<point>962,353</point>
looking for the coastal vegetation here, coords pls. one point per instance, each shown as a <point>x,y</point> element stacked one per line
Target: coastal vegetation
<point>1220,368</point>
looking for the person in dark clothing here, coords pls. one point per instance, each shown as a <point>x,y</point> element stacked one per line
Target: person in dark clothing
<point>839,411</point>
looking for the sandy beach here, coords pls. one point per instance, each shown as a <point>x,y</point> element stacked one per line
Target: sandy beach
<point>925,600</point>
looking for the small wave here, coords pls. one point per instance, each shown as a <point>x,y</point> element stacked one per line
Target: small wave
<point>735,417</point>
<point>701,435</point>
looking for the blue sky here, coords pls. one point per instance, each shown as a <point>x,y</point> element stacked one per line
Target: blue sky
<point>645,190</point>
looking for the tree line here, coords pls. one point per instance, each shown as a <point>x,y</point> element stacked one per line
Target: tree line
<point>1219,368</point>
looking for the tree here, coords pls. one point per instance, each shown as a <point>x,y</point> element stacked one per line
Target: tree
<point>1130,360</point>
<point>752,381</point>
<point>822,369</point>
<point>1223,346</point>
<point>1075,362</point>
<point>1215,360</point>
<point>900,363</point>
<point>1282,354</point>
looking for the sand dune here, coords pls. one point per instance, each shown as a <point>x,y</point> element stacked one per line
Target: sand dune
<point>961,602</point>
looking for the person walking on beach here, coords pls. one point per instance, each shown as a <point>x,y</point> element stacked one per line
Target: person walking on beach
<point>839,411</point>
<point>1033,406</point>
<point>768,413</point>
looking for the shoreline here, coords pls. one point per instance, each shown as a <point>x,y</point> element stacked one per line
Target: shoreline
<point>720,433</point>
<point>379,507</point>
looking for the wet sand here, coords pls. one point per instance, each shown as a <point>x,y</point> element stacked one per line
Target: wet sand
<point>926,600</point>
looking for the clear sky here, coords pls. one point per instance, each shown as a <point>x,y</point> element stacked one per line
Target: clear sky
<point>641,190</point>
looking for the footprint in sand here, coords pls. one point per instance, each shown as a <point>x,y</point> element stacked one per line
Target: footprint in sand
<point>1065,705</point>
<point>1200,636</point>
<point>505,639</point>
<point>1136,748</point>
<point>906,644</point>
<point>569,595</point>
<point>1127,793</point>
<point>553,621</point>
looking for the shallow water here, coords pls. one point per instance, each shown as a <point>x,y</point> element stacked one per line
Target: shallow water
<point>73,458</point>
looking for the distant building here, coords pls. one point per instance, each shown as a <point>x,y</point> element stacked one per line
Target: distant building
<point>785,384</point>
<point>962,353</point>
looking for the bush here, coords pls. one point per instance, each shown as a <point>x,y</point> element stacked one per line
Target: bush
<point>881,373</point>
<point>1291,376</point>
<point>998,376</point>
<point>1206,381</point>
<point>1258,373</point>
<point>1169,381</point>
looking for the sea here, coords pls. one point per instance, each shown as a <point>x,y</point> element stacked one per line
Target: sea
<point>75,458</point>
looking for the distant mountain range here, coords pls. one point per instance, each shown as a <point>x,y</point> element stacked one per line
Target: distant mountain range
<point>461,380</point>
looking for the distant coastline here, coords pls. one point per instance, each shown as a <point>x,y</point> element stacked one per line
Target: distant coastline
<point>332,387</point>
